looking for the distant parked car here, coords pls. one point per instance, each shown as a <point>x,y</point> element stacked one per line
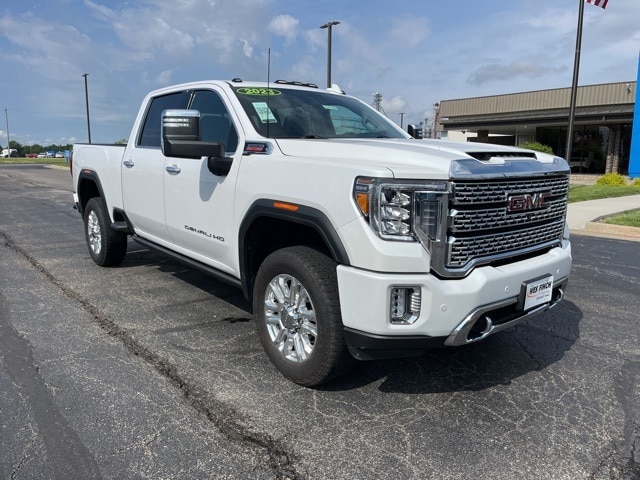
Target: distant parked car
<point>42,155</point>
<point>9,153</point>
<point>32,155</point>
<point>59,155</point>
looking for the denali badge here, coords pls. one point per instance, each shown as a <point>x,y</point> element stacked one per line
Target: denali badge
<point>521,203</point>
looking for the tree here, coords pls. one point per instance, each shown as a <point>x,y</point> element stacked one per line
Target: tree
<point>17,146</point>
<point>537,146</point>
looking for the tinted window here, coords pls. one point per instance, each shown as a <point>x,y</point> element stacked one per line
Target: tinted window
<point>289,113</point>
<point>150,135</point>
<point>215,122</point>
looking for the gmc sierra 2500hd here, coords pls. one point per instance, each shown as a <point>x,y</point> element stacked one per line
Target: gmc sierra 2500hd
<point>351,238</point>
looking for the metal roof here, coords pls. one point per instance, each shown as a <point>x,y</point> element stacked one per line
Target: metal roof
<point>605,103</point>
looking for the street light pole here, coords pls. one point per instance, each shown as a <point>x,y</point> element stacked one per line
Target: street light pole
<point>401,119</point>
<point>328,26</point>
<point>6,114</point>
<point>86,97</point>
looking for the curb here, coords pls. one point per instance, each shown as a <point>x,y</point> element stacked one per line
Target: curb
<point>607,230</point>
<point>621,230</point>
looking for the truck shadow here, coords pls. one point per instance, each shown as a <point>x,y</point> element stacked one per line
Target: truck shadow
<point>138,255</point>
<point>498,360</point>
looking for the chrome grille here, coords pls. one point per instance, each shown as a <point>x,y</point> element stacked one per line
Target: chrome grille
<point>481,229</point>
<point>464,249</point>
<point>466,221</point>
<point>469,193</point>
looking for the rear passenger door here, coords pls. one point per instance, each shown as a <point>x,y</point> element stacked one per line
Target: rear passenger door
<point>198,204</point>
<point>143,171</point>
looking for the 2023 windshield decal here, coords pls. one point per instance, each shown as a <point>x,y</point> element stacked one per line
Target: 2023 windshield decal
<point>262,92</point>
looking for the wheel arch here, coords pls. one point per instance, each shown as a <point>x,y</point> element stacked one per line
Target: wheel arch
<point>267,228</point>
<point>88,187</point>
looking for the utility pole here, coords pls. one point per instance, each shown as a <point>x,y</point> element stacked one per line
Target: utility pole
<point>328,26</point>
<point>6,114</point>
<point>86,97</point>
<point>401,119</point>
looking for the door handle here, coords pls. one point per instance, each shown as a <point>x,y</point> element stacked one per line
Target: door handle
<point>128,163</point>
<point>173,169</point>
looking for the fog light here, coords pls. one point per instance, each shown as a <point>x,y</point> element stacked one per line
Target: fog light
<point>404,305</point>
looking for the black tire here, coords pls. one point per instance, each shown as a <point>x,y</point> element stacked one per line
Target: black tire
<point>107,247</point>
<point>303,338</point>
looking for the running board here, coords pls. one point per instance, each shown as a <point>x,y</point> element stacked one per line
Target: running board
<point>190,262</point>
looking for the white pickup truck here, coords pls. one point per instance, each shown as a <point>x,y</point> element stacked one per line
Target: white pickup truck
<point>351,238</point>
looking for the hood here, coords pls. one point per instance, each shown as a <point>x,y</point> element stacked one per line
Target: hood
<point>409,158</point>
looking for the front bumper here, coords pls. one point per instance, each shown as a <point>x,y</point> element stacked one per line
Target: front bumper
<point>452,312</point>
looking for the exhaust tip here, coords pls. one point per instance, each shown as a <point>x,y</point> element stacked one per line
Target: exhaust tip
<point>480,328</point>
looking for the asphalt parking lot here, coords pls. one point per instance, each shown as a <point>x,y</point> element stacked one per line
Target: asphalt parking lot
<point>153,370</point>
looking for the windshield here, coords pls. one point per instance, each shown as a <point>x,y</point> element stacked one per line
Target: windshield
<point>289,113</point>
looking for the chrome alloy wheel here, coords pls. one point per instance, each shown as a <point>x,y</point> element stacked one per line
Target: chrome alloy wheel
<point>94,233</point>
<point>290,318</point>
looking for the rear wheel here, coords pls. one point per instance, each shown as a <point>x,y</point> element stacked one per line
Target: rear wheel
<point>107,247</point>
<point>297,309</point>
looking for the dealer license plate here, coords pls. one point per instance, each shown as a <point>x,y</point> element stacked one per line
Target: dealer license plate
<point>537,292</point>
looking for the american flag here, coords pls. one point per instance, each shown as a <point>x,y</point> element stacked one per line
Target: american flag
<point>598,3</point>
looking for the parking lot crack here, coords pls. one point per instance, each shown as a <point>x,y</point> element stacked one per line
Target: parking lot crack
<point>625,386</point>
<point>229,422</point>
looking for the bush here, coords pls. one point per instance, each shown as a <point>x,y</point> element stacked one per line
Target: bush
<point>612,180</point>
<point>537,146</point>
<point>636,182</point>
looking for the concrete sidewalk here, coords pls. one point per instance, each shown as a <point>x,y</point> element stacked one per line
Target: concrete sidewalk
<point>581,217</point>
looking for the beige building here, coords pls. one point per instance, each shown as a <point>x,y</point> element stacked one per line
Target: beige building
<point>602,122</point>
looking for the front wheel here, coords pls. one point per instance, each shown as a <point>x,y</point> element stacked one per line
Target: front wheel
<point>106,246</point>
<point>297,310</point>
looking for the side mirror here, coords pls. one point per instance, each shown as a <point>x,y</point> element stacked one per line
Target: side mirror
<point>181,136</point>
<point>219,165</point>
<point>415,131</point>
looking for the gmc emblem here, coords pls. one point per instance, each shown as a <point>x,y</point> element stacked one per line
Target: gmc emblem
<point>522,203</point>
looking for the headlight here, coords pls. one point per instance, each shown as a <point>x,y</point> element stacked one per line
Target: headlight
<point>401,210</point>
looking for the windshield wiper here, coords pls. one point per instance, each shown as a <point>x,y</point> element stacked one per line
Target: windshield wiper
<point>311,135</point>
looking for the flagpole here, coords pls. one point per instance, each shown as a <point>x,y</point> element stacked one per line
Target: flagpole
<point>574,85</point>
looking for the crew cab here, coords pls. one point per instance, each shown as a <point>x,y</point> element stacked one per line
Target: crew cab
<point>352,239</point>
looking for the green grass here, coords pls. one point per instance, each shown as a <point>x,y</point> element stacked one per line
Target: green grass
<point>580,193</point>
<point>630,218</point>
<point>37,161</point>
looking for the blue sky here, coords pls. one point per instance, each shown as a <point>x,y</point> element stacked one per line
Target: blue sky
<point>413,53</point>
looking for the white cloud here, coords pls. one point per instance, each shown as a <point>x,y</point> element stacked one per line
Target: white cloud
<point>285,26</point>
<point>497,72</point>
<point>164,78</point>
<point>394,105</point>
<point>554,19</point>
<point>409,31</point>
<point>247,48</point>
<point>315,38</point>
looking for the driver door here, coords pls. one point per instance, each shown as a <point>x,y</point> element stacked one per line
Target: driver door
<point>199,205</point>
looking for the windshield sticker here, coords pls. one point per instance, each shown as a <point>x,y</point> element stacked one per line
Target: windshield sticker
<point>258,91</point>
<point>264,112</point>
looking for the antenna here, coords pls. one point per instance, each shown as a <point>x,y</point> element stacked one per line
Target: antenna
<point>268,90</point>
